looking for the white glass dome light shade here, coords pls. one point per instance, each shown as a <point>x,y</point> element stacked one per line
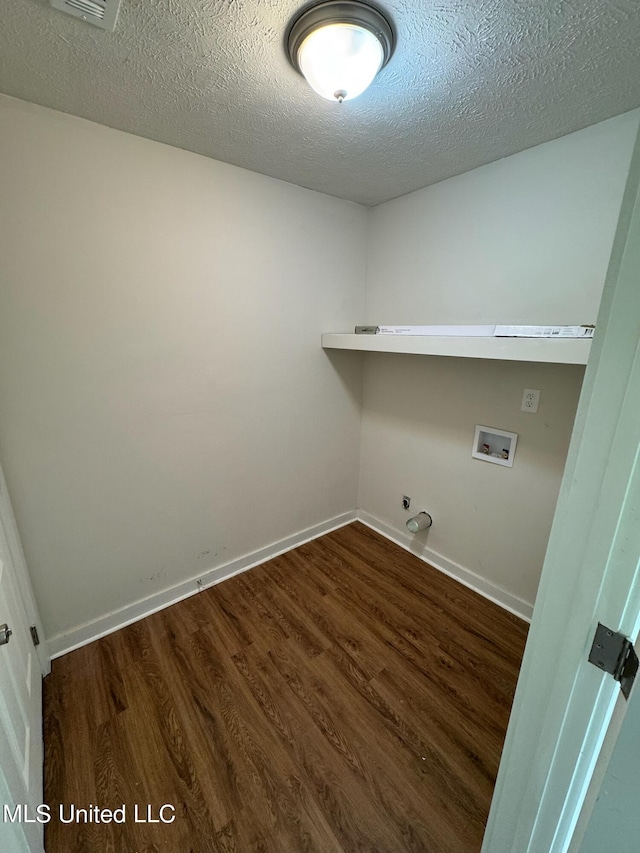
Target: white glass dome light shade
<point>339,61</point>
<point>339,46</point>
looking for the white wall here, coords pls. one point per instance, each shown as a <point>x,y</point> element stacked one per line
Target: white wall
<point>166,406</point>
<point>522,240</point>
<point>161,379</point>
<point>417,430</point>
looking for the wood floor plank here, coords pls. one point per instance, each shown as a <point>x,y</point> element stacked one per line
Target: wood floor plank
<point>342,697</point>
<point>366,663</point>
<point>402,632</point>
<point>346,802</point>
<point>334,620</point>
<point>350,732</point>
<point>276,790</point>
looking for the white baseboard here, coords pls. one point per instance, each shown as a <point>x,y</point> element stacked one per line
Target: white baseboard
<point>82,635</point>
<point>489,590</point>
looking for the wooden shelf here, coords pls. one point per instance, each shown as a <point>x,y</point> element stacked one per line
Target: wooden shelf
<point>553,350</point>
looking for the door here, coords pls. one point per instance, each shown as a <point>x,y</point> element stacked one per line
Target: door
<point>20,722</point>
<point>21,671</point>
<point>614,823</point>
<point>563,704</point>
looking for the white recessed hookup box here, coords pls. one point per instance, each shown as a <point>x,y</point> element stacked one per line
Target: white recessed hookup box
<point>494,445</point>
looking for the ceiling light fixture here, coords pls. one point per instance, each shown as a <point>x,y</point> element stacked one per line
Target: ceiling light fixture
<point>339,46</point>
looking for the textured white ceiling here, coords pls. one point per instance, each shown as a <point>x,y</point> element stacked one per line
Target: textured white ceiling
<point>471,81</point>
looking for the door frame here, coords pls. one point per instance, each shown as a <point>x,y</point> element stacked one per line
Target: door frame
<point>554,739</point>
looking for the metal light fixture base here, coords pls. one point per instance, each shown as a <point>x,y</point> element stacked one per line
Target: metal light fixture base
<point>339,12</point>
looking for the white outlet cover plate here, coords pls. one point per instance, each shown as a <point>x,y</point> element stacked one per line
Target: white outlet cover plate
<point>530,400</point>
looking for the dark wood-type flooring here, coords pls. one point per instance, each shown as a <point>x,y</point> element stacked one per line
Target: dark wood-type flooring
<point>343,697</point>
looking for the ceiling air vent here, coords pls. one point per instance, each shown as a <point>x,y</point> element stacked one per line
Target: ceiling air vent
<point>102,13</point>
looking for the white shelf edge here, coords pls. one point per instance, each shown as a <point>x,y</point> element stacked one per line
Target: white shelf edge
<point>552,350</point>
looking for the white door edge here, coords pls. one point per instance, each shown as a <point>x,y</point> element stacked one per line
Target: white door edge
<point>564,706</point>
<point>21,573</point>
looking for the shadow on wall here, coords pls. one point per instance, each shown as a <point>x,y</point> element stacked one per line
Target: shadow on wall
<point>447,397</point>
<point>348,366</point>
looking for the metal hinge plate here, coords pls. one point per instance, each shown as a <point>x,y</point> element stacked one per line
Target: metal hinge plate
<point>34,635</point>
<point>612,652</point>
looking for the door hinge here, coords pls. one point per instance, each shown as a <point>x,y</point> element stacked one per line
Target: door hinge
<point>34,635</point>
<point>614,653</point>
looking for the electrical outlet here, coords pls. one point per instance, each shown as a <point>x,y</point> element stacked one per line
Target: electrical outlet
<point>530,400</point>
